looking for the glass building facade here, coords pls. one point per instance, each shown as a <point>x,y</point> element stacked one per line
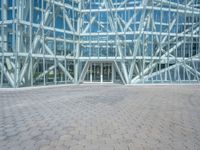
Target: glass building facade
<point>45,42</point>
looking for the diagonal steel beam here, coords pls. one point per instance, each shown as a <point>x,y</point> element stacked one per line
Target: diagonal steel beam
<point>68,20</point>
<point>8,75</point>
<point>142,25</point>
<point>59,64</point>
<point>84,71</point>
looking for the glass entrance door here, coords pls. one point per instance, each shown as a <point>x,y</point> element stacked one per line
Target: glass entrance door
<point>96,72</point>
<point>99,72</point>
<point>107,72</point>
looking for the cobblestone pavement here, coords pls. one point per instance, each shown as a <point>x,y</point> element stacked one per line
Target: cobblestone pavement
<point>101,117</point>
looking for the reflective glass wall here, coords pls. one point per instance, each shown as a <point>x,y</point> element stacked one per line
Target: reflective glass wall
<point>46,42</point>
<point>152,41</point>
<point>38,42</point>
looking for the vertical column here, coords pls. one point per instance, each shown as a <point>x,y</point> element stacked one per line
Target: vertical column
<point>152,41</point>
<point>198,41</point>
<point>177,26</point>
<point>91,69</point>
<point>77,53</point>
<point>159,78</point>
<point>193,49</point>
<point>18,41</point>
<point>65,45</point>
<point>168,43</point>
<point>30,41</point>
<point>3,35</point>
<point>54,43</point>
<point>43,42</point>
<point>113,73</point>
<point>101,76</point>
<point>184,44</point>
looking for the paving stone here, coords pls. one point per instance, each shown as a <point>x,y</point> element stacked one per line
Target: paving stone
<point>77,147</point>
<point>42,142</point>
<point>107,147</point>
<point>100,117</point>
<point>93,147</point>
<point>47,147</point>
<point>15,147</point>
<point>121,147</point>
<point>65,137</point>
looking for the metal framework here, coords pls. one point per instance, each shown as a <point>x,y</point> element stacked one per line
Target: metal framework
<point>55,41</point>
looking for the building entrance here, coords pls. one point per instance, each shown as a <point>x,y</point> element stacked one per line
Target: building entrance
<point>99,72</point>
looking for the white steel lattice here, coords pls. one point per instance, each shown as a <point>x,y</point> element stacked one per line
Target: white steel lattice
<point>56,41</point>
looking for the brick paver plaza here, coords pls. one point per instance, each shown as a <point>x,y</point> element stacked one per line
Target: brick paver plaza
<point>101,117</point>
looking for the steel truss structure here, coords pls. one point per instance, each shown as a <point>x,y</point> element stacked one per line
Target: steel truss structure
<point>56,41</point>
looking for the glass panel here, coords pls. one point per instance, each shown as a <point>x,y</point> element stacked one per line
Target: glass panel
<point>96,72</point>
<point>87,77</point>
<point>107,72</point>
